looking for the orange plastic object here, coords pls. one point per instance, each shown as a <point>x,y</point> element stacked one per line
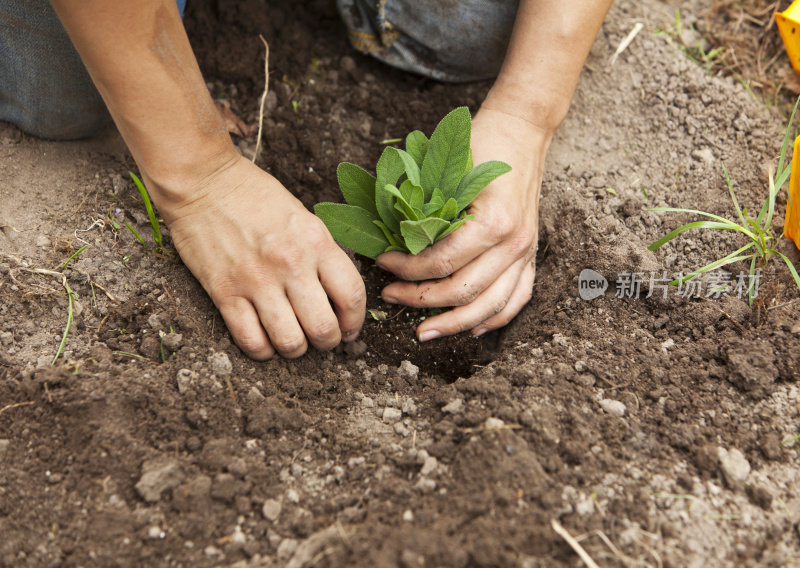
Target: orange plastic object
<point>792,224</point>
<point>789,27</point>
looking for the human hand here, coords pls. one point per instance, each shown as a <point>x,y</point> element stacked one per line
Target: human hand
<point>486,268</point>
<point>269,265</point>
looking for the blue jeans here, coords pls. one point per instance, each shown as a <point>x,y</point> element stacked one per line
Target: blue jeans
<point>44,88</point>
<point>46,91</point>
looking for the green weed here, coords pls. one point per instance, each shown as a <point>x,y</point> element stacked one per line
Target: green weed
<point>150,213</point>
<point>760,246</point>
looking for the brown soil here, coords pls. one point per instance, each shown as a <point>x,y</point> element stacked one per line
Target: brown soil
<point>624,418</point>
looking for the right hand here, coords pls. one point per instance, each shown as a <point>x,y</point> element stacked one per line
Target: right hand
<point>270,266</point>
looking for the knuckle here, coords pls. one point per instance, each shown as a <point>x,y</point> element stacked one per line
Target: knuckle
<point>254,346</point>
<point>502,227</point>
<point>355,299</point>
<point>520,244</point>
<point>324,332</point>
<point>466,294</point>
<point>442,267</point>
<point>499,305</point>
<point>290,345</point>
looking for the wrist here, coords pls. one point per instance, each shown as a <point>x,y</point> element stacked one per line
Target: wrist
<point>544,110</point>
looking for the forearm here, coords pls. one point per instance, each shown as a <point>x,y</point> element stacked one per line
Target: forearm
<point>548,47</point>
<point>140,59</point>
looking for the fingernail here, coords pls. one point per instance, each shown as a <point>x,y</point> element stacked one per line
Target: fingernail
<point>428,335</point>
<point>350,337</point>
<point>480,332</point>
<point>390,300</point>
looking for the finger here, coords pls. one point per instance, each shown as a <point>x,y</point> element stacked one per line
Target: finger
<point>242,320</point>
<point>443,258</point>
<point>493,300</point>
<point>518,300</point>
<point>345,288</point>
<point>314,312</point>
<point>458,289</point>
<point>283,329</point>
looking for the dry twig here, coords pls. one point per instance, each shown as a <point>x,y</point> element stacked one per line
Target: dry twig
<point>257,151</point>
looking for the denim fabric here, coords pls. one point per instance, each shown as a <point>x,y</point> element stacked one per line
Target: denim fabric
<point>44,88</point>
<point>448,40</point>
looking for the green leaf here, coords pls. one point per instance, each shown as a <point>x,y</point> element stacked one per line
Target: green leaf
<point>413,193</point>
<point>410,165</point>
<point>392,238</point>
<point>358,186</point>
<point>417,146</point>
<point>724,261</point>
<point>448,153</point>
<point>449,211</point>
<point>788,262</point>
<point>401,205</point>
<point>389,169</point>
<point>455,225</point>
<point>151,214</point>
<point>420,234</point>
<point>476,179</point>
<point>733,194</point>
<point>352,227</point>
<point>695,225</point>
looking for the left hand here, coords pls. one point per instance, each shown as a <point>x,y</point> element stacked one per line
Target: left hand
<point>486,268</point>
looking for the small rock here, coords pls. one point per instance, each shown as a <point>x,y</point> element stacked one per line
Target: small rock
<point>667,344</point>
<point>151,348</point>
<point>155,323</point>
<point>158,475</point>
<point>292,496</point>
<point>271,509</point>
<point>429,466</point>
<point>355,348</point>
<point>454,406</point>
<point>367,402</point>
<point>287,548</point>
<point>409,407</point>
<point>185,378</point>
<point>155,532</point>
<point>704,155</point>
<point>734,466</point>
<point>6,337</point>
<point>408,516</point>
<point>598,182</point>
<point>173,341</point>
<point>493,423</point>
<point>613,407</point>
<point>660,322</point>
<point>212,551</point>
<point>392,415</point>
<point>254,396</point>
<point>408,370</point>
<point>220,364</point>
<point>580,366</point>
<point>425,485</point>
<point>401,429</point>
<point>43,242</point>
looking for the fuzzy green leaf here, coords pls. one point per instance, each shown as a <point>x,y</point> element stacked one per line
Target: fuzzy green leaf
<point>455,225</point>
<point>410,166</point>
<point>389,169</point>
<point>449,211</point>
<point>352,227</point>
<point>420,234</point>
<point>417,146</point>
<point>401,205</point>
<point>413,193</point>
<point>478,178</point>
<point>448,153</point>
<point>358,186</point>
<point>394,240</point>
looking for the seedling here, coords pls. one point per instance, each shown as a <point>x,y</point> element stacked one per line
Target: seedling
<point>759,249</point>
<point>418,195</point>
<point>150,213</point>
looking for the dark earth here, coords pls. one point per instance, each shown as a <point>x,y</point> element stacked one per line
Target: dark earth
<point>657,431</point>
